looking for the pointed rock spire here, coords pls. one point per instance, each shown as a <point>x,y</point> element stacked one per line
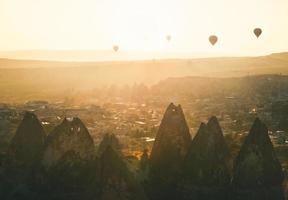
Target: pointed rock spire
<point>116,181</point>
<point>256,164</point>
<point>109,139</point>
<point>217,140</point>
<point>206,163</point>
<point>169,149</point>
<point>28,143</point>
<point>173,137</point>
<point>72,176</point>
<point>68,136</point>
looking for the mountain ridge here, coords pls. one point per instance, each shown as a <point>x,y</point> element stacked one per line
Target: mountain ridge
<point>10,60</point>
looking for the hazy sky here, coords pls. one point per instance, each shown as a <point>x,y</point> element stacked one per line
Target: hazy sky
<point>142,25</point>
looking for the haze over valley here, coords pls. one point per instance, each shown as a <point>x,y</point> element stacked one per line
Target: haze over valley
<point>143,100</point>
<point>33,79</point>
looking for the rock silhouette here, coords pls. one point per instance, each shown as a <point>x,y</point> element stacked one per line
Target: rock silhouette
<point>170,148</point>
<point>21,170</point>
<point>177,168</point>
<point>28,143</point>
<point>109,140</point>
<point>205,173</point>
<point>116,181</point>
<point>68,136</point>
<point>71,177</point>
<point>257,173</point>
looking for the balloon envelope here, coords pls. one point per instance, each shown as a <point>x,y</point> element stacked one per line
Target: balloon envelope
<point>257,32</point>
<point>115,48</point>
<point>213,39</point>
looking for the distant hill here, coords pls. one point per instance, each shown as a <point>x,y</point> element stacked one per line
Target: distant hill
<point>29,77</point>
<point>272,84</point>
<point>150,71</point>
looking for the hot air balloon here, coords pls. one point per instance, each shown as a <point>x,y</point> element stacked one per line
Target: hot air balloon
<point>168,38</point>
<point>213,39</point>
<point>115,48</point>
<point>257,32</point>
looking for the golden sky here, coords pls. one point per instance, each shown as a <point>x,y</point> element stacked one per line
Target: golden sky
<point>142,25</point>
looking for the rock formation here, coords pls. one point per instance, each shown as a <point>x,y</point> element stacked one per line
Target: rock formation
<point>68,136</point>
<point>205,172</point>
<point>170,148</point>
<point>116,181</point>
<point>22,167</point>
<point>257,173</point>
<point>109,140</point>
<point>72,177</point>
<point>178,168</point>
<point>28,143</point>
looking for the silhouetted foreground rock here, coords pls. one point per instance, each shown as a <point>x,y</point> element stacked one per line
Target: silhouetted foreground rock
<point>257,171</point>
<point>116,181</point>
<point>105,178</point>
<point>178,168</point>
<point>205,172</point>
<point>20,171</point>
<point>71,177</point>
<point>170,148</point>
<point>68,136</point>
<point>28,143</point>
<point>109,140</point>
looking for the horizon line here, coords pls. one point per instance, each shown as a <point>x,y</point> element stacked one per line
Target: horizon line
<point>160,57</point>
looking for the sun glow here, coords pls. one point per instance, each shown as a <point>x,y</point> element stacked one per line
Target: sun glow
<point>138,25</point>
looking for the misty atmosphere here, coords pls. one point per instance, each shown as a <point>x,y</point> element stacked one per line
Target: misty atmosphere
<point>143,100</point>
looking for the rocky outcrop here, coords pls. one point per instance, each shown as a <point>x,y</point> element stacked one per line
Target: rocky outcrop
<point>68,136</point>
<point>205,173</point>
<point>116,181</point>
<point>170,148</point>
<point>72,177</point>
<point>257,173</point>
<point>178,168</point>
<point>172,140</point>
<point>111,140</point>
<point>28,143</point>
<point>22,167</point>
